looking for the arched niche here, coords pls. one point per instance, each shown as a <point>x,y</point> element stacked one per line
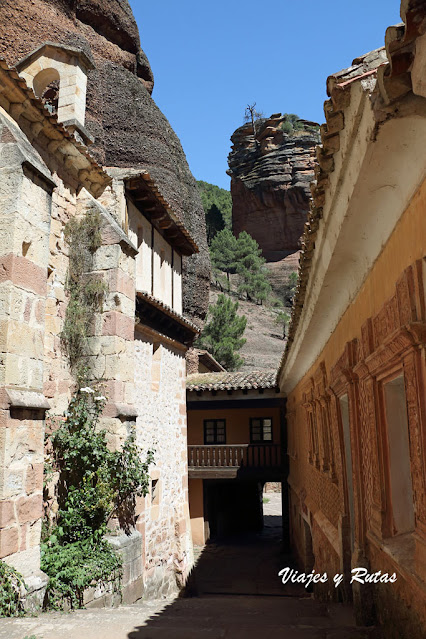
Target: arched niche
<point>46,85</point>
<point>58,75</point>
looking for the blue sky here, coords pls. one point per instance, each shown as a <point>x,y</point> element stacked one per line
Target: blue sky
<point>210,59</point>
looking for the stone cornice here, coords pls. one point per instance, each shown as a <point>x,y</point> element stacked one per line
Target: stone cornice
<point>53,140</point>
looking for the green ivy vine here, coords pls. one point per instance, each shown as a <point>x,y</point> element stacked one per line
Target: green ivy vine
<point>86,290</point>
<point>95,483</point>
<point>12,589</point>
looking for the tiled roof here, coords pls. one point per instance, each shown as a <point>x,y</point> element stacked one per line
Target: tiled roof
<point>386,71</point>
<point>363,69</point>
<point>231,381</point>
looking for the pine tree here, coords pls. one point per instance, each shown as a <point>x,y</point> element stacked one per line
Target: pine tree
<point>214,222</point>
<point>222,253</point>
<point>222,335</point>
<point>290,287</point>
<point>282,319</point>
<point>250,267</point>
<point>212,194</point>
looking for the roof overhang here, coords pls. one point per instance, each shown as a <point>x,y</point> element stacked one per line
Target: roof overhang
<point>145,195</point>
<point>49,49</point>
<point>376,169</point>
<point>51,138</point>
<point>159,317</point>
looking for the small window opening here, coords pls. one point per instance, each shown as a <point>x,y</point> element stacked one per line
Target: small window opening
<point>261,430</point>
<point>46,87</point>
<point>50,96</point>
<point>155,492</point>
<point>214,431</point>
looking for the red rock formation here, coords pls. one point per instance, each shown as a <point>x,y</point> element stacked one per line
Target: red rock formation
<point>270,177</point>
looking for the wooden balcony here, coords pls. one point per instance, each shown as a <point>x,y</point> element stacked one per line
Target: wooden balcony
<point>263,461</point>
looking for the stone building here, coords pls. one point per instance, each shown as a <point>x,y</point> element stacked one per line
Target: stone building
<point>81,136</point>
<point>354,366</point>
<point>236,443</point>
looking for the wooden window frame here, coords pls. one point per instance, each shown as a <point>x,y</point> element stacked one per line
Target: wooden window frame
<point>384,433</point>
<point>261,441</point>
<point>215,421</point>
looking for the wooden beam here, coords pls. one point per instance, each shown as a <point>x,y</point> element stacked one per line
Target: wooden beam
<point>165,223</point>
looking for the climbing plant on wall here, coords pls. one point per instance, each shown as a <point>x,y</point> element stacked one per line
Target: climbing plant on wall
<point>11,592</point>
<point>86,290</point>
<point>95,483</point>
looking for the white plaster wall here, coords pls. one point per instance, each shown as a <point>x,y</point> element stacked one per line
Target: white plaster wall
<point>160,400</point>
<point>167,279</point>
<point>162,269</point>
<point>140,232</point>
<point>177,283</point>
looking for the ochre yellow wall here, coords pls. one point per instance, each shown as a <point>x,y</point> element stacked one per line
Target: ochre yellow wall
<point>196,511</point>
<point>406,245</point>
<point>323,498</point>
<point>237,423</point>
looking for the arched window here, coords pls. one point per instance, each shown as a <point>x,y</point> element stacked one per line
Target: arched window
<point>46,86</point>
<point>58,75</point>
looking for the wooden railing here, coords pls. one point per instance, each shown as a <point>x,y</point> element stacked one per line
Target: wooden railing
<point>250,456</point>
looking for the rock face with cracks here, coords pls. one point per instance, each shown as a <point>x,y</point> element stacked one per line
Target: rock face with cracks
<point>270,174</point>
<point>128,127</point>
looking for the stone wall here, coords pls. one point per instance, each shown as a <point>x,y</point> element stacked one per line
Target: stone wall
<point>25,203</point>
<point>48,177</point>
<point>161,424</point>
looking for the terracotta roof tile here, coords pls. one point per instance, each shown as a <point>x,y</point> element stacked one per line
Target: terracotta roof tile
<point>388,65</point>
<point>231,381</point>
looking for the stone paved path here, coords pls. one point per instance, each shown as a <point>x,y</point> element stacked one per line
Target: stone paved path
<point>246,601</point>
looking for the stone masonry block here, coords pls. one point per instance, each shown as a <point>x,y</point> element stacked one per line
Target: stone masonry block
<point>29,509</point>
<point>107,257</point>
<point>121,303</point>
<point>114,390</point>
<point>112,345</point>
<point>7,513</point>
<point>34,479</point>
<point>118,325</point>
<point>23,537</point>
<point>120,368</point>
<point>34,534</point>
<point>23,273</point>
<point>9,542</point>
<point>120,282</point>
<point>24,340</point>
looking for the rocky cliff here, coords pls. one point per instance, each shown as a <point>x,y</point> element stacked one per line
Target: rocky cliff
<point>128,127</point>
<point>270,174</point>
